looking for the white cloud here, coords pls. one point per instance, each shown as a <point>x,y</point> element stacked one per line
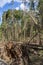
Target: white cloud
<point>3,2</point>
<point>18,0</point>
<point>22,6</point>
<point>17,8</point>
<point>21,0</point>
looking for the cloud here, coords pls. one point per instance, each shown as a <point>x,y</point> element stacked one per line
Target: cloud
<point>3,2</point>
<point>18,0</point>
<point>22,6</point>
<point>17,8</point>
<point>21,0</point>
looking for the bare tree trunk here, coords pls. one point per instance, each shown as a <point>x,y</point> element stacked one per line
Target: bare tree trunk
<point>24,34</point>
<point>39,36</point>
<point>31,31</point>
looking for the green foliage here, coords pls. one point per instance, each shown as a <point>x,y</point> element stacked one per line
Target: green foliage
<point>18,14</point>
<point>16,22</point>
<point>13,24</point>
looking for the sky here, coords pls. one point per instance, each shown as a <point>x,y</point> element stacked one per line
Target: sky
<point>7,4</point>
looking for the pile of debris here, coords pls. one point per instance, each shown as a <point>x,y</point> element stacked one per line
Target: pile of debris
<point>18,54</point>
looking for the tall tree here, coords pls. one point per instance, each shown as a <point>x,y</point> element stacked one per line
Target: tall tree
<point>24,2</point>
<point>41,11</point>
<point>31,4</point>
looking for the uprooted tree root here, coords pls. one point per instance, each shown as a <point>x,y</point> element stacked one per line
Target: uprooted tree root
<point>21,54</point>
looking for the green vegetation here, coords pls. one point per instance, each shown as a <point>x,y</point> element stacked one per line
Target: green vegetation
<point>18,25</point>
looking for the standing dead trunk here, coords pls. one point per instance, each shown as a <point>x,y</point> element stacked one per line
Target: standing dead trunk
<point>31,31</point>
